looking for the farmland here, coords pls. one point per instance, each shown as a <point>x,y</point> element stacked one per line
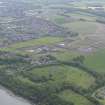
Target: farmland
<point>52,52</point>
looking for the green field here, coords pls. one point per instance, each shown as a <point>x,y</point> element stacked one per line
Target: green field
<point>76,98</point>
<point>96,61</point>
<point>82,27</point>
<point>34,42</point>
<point>65,74</point>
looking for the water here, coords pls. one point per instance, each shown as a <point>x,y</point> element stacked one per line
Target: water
<point>6,98</point>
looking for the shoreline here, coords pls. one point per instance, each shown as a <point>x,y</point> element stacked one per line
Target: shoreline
<point>12,95</point>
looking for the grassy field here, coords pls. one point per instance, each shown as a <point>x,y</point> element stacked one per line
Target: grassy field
<point>65,74</point>
<point>76,98</point>
<point>65,55</point>
<point>82,27</point>
<point>34,42</point>
<point>96,61</point>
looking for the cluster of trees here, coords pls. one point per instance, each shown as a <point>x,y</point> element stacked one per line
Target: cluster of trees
<point>24,83</point>
<point>42,94</point>
<point>78,62</point>
<point>21,82</point>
